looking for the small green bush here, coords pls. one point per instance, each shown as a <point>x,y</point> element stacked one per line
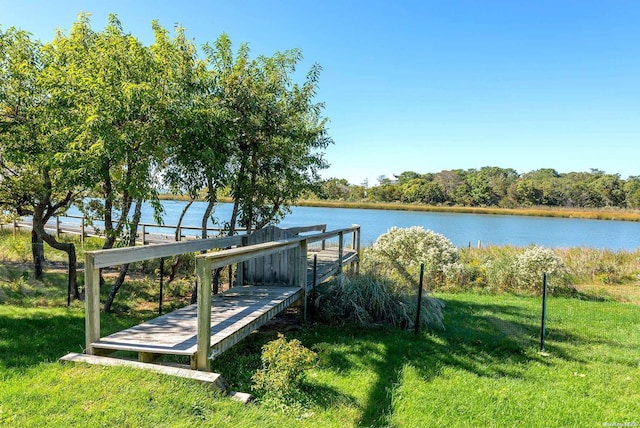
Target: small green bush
<point>284,365</point>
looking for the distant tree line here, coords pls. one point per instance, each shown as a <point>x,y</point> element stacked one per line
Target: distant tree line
<point>494,187</point>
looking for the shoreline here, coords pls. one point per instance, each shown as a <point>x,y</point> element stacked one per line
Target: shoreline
<point>579,213</point>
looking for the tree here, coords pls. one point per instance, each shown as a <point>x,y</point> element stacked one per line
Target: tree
<point>335,189</point>
<point>276,131</point>
<point>632,192</point>
<point>199,150</point>
<point>39,164</point>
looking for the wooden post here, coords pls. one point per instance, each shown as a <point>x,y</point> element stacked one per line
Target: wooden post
<point>58,226</point>
<point>203,269</point>
<point>301,269</point>
<point>358,250</point>
<point>324,229</point>
<point>91,302</point>
<point>82,231</point>
<point>353,247</point>
<point>340,250</point>
<point>240,266</point>
<point>15,227</point>
<point>144,235</point>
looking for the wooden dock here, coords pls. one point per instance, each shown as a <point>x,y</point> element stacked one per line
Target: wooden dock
<point>216,322</point>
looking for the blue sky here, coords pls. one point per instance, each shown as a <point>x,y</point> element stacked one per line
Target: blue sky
<point>429,85</point>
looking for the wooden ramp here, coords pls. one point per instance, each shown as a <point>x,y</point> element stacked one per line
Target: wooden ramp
<point>235,313</point>
<point>283,276</point>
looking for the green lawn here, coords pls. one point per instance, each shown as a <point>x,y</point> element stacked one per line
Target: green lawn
<point>484,370</point>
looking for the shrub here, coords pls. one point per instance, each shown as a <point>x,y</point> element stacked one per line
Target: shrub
<point>512,269</point>
<point>284,365</point>
<point>533,263</point>
<point>370,299</point>
<point>604,266</point>
<point>399,253</point>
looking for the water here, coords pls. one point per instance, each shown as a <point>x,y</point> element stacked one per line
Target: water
<point>461,229</point>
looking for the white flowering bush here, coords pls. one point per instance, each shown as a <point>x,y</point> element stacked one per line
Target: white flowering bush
<point>399,253</point>
<point>533,263</point>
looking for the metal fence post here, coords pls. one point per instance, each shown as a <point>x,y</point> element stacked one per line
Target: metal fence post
<point>417,326</point>
<point>543,324</point>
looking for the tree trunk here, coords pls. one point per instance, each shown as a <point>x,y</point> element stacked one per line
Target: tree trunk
<point>182,214</point>
<point>125,268</point>
<point>37,250</point>
<point>211,201</point>
<point>116,286</point>
<point>176,264</point>
<point>70,249</point>
<point>39,219</point>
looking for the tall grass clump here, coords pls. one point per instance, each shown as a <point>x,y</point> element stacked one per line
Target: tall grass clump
<point>371,299</point>
<point>593,265</point>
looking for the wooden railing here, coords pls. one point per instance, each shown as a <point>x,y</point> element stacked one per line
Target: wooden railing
<point>83,228</point>
<point>95,260</point>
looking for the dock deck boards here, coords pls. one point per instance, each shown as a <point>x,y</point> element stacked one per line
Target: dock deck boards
<point>235,310</point>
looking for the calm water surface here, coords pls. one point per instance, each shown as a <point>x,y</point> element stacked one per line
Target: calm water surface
<point>461,229</point>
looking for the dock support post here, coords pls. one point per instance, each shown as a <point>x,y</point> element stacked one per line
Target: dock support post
<point>357,234</point>
<point>82,231</point>
<point>203,269</point>
<point>340,250</point>
<point>91,303</point>
<point>301,269</point>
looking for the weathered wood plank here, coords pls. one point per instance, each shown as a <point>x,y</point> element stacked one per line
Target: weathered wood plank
<point>117,256</point>
<point>214,380</point>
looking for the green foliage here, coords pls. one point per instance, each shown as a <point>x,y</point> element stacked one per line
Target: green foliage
<point>371,299</point>
<point>496,187</point>
<point>283,372</point>
<point>400,252</point>
<point>513,269</point>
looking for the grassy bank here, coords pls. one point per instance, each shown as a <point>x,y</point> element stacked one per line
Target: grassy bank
<point>595,214</point>
<point>483,370</point>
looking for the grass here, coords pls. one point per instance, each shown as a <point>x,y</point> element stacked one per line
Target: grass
<point>483,370</point>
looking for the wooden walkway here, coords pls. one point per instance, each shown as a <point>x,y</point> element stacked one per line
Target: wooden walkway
<point>235,313</point>
<point>204,330</point>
